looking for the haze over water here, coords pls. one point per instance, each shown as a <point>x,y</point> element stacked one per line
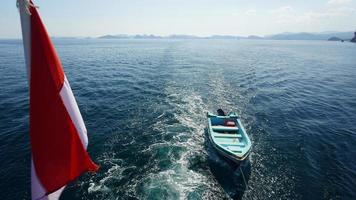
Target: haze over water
<point>144,103</point>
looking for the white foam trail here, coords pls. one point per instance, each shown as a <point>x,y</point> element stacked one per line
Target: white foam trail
<point>189,109</point>
<point>179,176</point>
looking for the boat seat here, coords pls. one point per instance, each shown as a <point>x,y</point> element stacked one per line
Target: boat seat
<point>224,128</point>
<point>235,148</point>
<point>224,135</point>
<point>230,144</point>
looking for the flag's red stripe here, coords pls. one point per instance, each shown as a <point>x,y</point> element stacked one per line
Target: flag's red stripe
<point>58,153</point>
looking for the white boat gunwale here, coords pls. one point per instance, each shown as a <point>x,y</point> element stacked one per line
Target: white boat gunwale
<point>241,134</point>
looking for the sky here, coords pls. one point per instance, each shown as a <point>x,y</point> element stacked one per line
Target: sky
<point>91,18</point>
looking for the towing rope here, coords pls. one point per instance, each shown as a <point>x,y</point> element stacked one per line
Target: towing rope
<point>243,177</point>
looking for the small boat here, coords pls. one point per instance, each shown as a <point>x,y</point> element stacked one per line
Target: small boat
<point>228,136</point>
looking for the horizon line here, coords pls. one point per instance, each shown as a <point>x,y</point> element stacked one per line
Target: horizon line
<point>191,35</point>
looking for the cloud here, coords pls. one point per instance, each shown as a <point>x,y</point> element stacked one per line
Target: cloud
<point>250,12</point>
<point>332,13</point>
<point>286,14</point>
<point>282,10</point>
<point>338,2</point>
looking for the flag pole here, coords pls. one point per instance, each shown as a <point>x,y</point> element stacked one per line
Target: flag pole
<point>26,33</point>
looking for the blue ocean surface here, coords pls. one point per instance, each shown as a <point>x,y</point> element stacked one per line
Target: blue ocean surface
<point>144,103</point>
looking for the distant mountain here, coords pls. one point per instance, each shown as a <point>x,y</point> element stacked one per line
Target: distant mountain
<point>174,36</point>
<point>333,35</point>
<point>146,37</point>
<point>255,37</point>
<point>123,36</point>
<point>310,36</point>
<point>335,39</point>
<point>354,38</point>
<point>183,37</point>
<point>292,36</point>
<point>113,36</point>
<point>224,37</point>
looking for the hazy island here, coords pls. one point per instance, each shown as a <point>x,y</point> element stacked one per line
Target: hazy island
<point>330,36</point>
<point>335,39</point>
<point>354,38</point>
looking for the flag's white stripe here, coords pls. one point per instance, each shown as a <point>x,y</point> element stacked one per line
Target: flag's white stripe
<point>37,191</point>
<point>73,111</point>
<point>36,187</point>
<point>26,35</point>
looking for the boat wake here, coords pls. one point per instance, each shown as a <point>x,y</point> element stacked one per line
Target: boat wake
<point>187,175</point>
<point>162,151</point>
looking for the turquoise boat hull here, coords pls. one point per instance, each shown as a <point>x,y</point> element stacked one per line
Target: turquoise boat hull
<point>230,141</point>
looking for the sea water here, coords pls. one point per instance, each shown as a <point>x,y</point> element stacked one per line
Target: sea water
<point>144,103</point>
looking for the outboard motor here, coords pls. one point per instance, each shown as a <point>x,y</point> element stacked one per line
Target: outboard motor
<point>221,112</point>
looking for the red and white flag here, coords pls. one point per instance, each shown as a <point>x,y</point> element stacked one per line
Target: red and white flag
<point>57,131</point>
